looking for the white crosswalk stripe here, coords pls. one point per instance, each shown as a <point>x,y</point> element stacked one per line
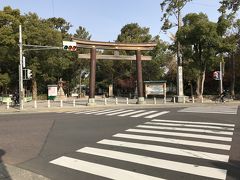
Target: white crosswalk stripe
<point>134,112</point>
<point>122,113</point>
<point>157,114</point>
<point>97,111</point>
<point>191,125</point>
<point>182,167</point>
<point>142,114</point>
<point>188,122</point>
<point>119,112</point>
<point>186,129</point>
<point>100,170</point>
<point>199,136</point>
<point>174,141</point>
<point>167,150</point>
<point>212,109</point>
<point>165,140</point>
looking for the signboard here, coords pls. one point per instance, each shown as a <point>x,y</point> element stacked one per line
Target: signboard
<point>52,92</point>
<point>155,88</point>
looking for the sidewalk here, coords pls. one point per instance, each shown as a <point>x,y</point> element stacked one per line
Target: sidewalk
<point>101,103</point>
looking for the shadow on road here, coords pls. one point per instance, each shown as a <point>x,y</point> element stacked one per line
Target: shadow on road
<point>232,167</point>
<point>3,170</point>
<point>234,171</point>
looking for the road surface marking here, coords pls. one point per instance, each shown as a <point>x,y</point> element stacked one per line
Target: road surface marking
<point>159,163</point>
<point>128,114</point>
<point>200,136</point>
<point>174,141</point>
<point>167,150</point>
<point>157,114</point>
<point>189,125</point>
<point>188,122</point>
<point>112,111</point>
<point>100,170</point>
<point>187,129</point>
<point>212,109</point>
<point>98,111</point>
<point>119,112</point>
<point>142,114</point>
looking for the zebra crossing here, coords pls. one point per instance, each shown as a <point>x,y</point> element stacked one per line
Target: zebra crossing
<point>122,113</point>
<point>229,109</point>
<point>187,148</point>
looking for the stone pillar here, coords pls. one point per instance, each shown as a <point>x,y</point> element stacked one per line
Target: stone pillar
<point>91,99</point>
<point>139,78</point>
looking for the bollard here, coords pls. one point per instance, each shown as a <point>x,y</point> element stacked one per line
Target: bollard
<point>154,100</point>
<point>202,100</point>
<point>174,100</point>
<point>105,101</point>
<point>165,100</point>
<point>61,103</point>
<point>35,104</point>
<point>116,101</point>
<point>184,99</point>
<point>21,105</point>
<point>193,100</point>
<point>48,104</point>
<point>127,100</point>
<point>7,104</point>
<point>74,103</point>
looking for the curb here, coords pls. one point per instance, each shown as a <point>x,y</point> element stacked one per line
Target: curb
<point>10,172</point>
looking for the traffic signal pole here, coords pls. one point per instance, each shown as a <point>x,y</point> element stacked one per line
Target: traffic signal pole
<point>21,90</point>
<point>221,78</point>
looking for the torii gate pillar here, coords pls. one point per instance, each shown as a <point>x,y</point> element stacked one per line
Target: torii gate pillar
<point>93,58</point>
<point>140,99</point>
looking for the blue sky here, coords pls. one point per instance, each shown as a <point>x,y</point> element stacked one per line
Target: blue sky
<point>105,18</point>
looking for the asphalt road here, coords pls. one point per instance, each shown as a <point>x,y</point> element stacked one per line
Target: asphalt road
<point>162,143</point>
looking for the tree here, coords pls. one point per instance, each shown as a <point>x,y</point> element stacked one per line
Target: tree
<point>4,81</point>
<point>80,66</point>
<point>229,5</point>
<point>174,7</point>
<point>9,58</point>
<point>125,70</point>
<point>229,29</point>
<point>200,39</point>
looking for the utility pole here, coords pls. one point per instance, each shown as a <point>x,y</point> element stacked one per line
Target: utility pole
<point>21,90</point>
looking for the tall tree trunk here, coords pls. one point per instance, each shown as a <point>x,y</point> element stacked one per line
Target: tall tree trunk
<point>200,84</point>
<point>34,89</point>
<point>203,80</point>
<point>233,75</point>
<point>198,92</point>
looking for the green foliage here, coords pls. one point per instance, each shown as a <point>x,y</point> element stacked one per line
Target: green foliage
<point>171,8</point>
<point>133,33</point>
<point>4,79</point>
<point>200,43</point>
<point>231,6</point>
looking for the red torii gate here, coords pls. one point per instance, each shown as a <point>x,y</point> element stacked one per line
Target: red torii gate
<point>93,45</point>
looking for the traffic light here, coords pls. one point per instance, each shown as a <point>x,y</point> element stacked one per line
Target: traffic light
<point>69,45</point>
<point>29,73</point>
